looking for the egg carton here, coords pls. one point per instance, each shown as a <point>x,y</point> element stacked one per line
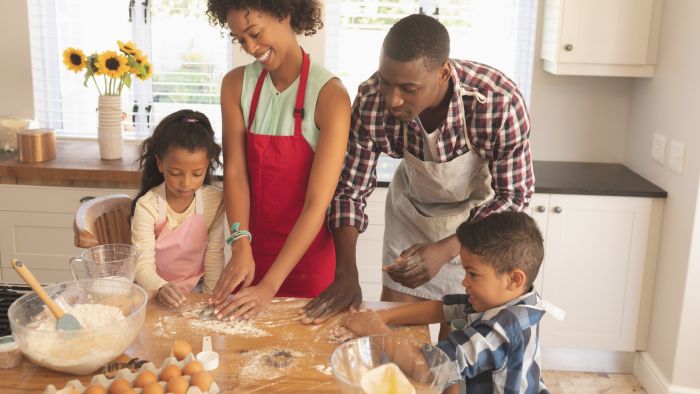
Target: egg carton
<point>75,386</point>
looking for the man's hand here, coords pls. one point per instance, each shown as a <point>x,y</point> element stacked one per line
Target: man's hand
<point>240,270</point>
<point>417,264</point>
<point>169,295</point>
<point>344,293</point>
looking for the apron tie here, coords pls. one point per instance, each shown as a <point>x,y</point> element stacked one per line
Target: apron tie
<point>473,93</point>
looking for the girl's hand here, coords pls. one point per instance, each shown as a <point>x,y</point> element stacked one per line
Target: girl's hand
<point>246,303</point>
<point>240,270</point>
<point>365,323</point>
<point>170,295</point>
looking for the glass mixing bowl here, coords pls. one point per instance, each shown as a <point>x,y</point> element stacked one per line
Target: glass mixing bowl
<point>353,359</point>
<point>84,351</point>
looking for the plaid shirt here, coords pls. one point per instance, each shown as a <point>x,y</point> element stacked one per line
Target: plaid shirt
<point>498,129</point>
<point>499,349</point>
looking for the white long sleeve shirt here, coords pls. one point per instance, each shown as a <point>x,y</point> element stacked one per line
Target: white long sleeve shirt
<point>143,236</point>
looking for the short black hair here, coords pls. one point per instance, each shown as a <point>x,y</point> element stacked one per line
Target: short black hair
<point>418,36</point>
<point>305,15</point>
<point>506,241</point>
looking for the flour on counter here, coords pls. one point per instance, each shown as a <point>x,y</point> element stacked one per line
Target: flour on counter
<point>237,327</point>
<point>324,369</point>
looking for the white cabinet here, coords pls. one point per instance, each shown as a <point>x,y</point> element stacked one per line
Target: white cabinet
<point>601,37</point>
<point>599,264</point>
<point>369,247</point>
<point>36,227</point>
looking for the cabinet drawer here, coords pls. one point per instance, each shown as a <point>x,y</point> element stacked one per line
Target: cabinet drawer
<point>21,198</point>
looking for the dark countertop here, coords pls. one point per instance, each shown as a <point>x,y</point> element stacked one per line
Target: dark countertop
<point>600,179</point>
<point>552,177</point>
<point>596,179</point>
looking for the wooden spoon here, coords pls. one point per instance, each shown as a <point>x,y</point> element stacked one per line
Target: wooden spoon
<point>66,322</point>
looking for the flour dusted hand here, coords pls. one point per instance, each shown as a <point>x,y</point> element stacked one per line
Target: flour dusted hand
<point>170,295</point>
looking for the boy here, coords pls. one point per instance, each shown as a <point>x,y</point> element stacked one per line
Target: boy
<point>498,349</point>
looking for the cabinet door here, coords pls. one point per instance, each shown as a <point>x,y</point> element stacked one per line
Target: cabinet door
<point>605,31</point>
<point>539,210</point>
<point>42,241</point>
<point>369,247</point>
<point>595,257</point>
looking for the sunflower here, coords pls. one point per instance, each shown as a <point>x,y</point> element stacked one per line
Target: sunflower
<point>128,48</point>
<point>148,72</point>
<point>111,64</point>
<point>74,59</point>
<point>136,63</point>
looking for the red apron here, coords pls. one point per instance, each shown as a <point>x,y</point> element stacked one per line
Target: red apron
<point>278,170</point>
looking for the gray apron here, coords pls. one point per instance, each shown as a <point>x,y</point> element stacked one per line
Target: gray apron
<point>427,201</point>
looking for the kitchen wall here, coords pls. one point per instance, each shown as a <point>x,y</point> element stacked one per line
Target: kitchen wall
<point>668,104</point>
<point>16,98</point>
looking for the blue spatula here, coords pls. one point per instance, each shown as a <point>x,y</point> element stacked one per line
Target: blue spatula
<point>66,322</point>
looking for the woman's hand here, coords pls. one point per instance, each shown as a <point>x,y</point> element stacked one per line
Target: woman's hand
<point>418,264</point>
<point>365,323</point>
<point>240,270</point>
<point>170,295</point>
<point>246,303</point>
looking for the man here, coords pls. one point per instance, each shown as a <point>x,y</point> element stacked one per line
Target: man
<point>462,129</point>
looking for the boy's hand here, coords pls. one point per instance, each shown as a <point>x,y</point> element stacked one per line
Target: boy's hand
<point>170,295</point>
<point>365,323</point>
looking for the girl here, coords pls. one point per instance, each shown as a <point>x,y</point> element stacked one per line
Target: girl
<point>285,124</point>
<point>178,216</point>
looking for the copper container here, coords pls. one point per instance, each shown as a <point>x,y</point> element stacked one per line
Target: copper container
<point>35,145</point>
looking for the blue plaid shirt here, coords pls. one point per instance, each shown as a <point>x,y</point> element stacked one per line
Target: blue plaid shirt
<point>498,351</point>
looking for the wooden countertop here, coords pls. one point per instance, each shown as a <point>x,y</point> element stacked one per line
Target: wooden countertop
<point>242,357</point>
<point>77,163</point>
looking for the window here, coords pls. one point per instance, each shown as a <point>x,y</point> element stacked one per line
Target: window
<point>188,68</point>
<point>500,33</point>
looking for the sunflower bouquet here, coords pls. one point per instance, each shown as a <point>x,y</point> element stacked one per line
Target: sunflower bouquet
<point>115,68</point>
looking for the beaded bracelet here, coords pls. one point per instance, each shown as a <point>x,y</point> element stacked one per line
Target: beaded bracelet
<point>236,234</point>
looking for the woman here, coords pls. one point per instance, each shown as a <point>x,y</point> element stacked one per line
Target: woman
<point>285,133</point>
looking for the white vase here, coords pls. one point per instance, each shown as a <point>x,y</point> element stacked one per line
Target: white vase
<point>109,127</point>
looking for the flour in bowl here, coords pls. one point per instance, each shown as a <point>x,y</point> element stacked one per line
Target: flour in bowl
<point>89,316</point>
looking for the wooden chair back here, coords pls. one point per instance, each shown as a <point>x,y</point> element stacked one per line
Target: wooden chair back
<point>103,220</point>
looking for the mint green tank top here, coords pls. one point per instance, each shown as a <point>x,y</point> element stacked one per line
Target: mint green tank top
<point>275,109</point>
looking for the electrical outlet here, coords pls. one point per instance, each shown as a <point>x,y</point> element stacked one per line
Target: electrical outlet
<point>658,148</point>
<point>676,156</point>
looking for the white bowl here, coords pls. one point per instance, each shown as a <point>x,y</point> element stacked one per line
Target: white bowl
<point>353,359</point>
<point>84,351</point>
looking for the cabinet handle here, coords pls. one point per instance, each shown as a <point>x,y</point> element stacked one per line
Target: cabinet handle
<point>568,47</point>
<point>86,199</point>
<point>541,208</point>
<point>558,209</point>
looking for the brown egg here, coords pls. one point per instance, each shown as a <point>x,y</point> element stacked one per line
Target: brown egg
<point>192,368</point>
<point>145,378</point>
<point>119,386</point>
<point>178,385</point>
<point>95,389</point>
<point>170,372</point>
<point>202,379</point>
<point>153,388</point>
<point>181,349</point>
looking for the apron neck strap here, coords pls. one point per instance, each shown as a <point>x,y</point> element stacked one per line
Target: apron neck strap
<point>163,207</point>
<point>298,112</point>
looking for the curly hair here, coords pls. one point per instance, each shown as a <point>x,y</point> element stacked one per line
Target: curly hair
<point>305,15</point>
<point>416,37</point>
<point>186,129</point>
<point>506,241</point>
